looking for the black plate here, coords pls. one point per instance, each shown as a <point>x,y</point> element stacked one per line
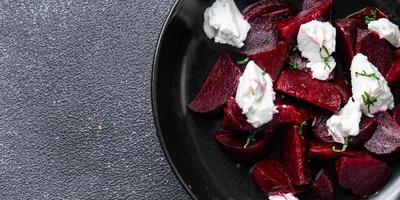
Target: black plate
<point>183,60</point>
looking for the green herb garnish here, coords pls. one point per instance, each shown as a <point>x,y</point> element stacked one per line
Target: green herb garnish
<point>296,47</point>
<point>368,100</point>
<point>265,40</point>
<point>250,138</point>
<point>294,65</point>
<point>282,96</point>
<point>373,17</point>
<point>301,129</point>
<point>344,147</point>
<point>364,73</point>
<point>244,61</point>
<point>326,58</point>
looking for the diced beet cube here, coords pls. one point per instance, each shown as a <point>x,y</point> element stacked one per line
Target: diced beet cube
<point>346,38</point>
<point>264,7</point>
<point>324,151</point>
<point>367,12</point>
<point>386,139</point>
<point>295,157</point>
<point>343,88</point>
<point>233,118</point>
<point>221,84</point>
<point>272,61</point>
<point>312,10</point>
<point>377,50</point>
<point>292,113</point>
<point>234,144</point>
<point>396,114</point>
<point>303,86</point>
<point>271,177</point>
<point>322,187</point>
<point>363,176</point>
<point>393,76</point>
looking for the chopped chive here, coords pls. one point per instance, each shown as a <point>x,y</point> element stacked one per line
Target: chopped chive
<point>265,40</point>
<point>301,129</point>
<point>371,75</point>
<point>344,147</point>
<point>296,47</point>
<point>373,17</point>
<point>250,138</point>
<point>294,65</point>
<point>282,96</point>
<point>368,100</point>
<point>327,58</point>
<point>242,62</point>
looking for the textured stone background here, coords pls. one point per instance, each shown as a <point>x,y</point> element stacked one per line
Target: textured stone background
<point>75,113</point>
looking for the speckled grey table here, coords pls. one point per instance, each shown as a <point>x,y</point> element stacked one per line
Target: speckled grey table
<point>75,112</point>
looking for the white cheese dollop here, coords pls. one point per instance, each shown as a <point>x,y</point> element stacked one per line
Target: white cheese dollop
<point>224,22</point>
<point>386,29</point>
<point>317,40</point>
<point>281,196</point>
<point>369,87</point>
<point>346,122</point>
<point>255,95</point>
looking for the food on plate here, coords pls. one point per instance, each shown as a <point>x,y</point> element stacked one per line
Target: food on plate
<point>312,94</point>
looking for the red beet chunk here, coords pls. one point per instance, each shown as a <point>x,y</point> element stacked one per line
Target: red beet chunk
<point>367,12</point>
<point>324,151</point>
<point>234,143</point>
<point>272,61</point>
<point>367,128</point>
<point>219,86</point>
<point>322,187</point>
<point>396,114</point>
<point>234,119</point>
<point>377,50</point>
<point>263,36</point>
<point>393,76</point>
<point>264,7</point>
<point>363,176</point>
<point>304,87</point>
<point>271,178</point>
<point>347,36</point>
<point>295,157</point>
<point>343,88</point>
<point>291,113</point>
<point>320,129</point>
<point>312,9</point>
<point>386,139</point>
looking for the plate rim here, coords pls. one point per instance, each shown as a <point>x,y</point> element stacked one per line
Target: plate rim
<point>154,100</point>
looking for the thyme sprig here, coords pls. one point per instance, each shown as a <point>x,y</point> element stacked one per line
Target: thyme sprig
<point>344,147</point>
<point>250,138</point>
<point>373,17</point>
<point>368,100</point>
<point>371,75</point>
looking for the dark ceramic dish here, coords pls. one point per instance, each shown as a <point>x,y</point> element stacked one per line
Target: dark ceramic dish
<point>183,60</point>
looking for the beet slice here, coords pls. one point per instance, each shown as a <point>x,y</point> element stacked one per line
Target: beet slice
<point>346,38</point>
<point>393,76</point>
<point>343,88</point>
<point>262,8</point>
<point>301,85</point>
<point>263,36</point>
<point>271,178</point>
<point>323,151</point>
<point>377,50</point>
<point>312,9</point>
<point>320,130</point>
<point>396,114</point>
<point>272,61</point>
<point>234,143</point>
<point>219,86</point>
<point>233,118</point>
<point>322,187</point>
<point>386,139</point>
<point>363,176</point>
<point>295,157</point>
<point>292,113</point>
<point>367,12</point>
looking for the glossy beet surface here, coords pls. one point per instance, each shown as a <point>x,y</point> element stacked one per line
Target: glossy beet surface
<point>233,118</point>
<point>363,176</point>
<point>184,59</point>
<point>219,86</point>
<point>323,151</point>
<point>323,187</point>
